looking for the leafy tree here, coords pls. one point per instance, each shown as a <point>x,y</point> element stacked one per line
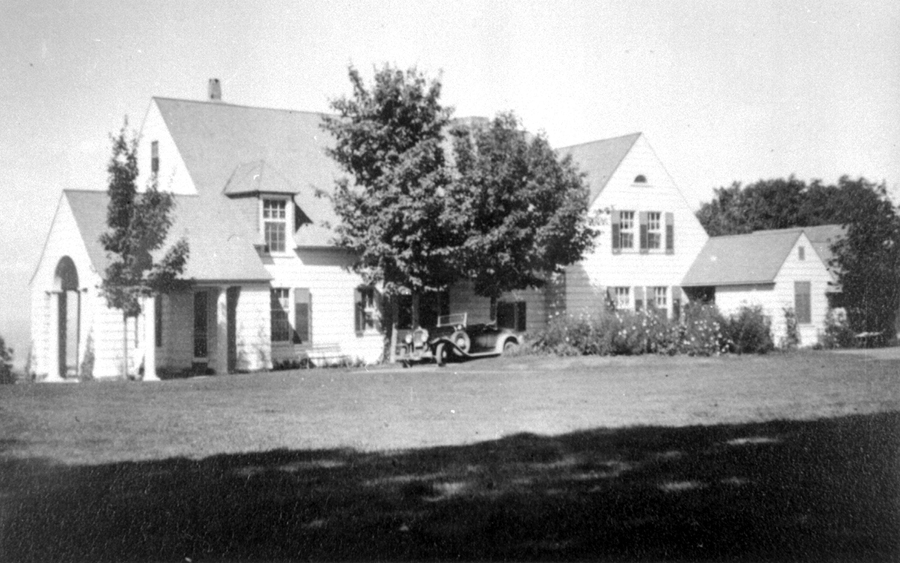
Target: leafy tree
<point>6,354</point>
<point>137,227</point>
<point>524,209</point>
<point>868,258</point>
<point>766,204</point>
<point>394,214</point>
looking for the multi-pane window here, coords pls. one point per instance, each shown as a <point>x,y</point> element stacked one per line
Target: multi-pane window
<point>659,297</point>
<point>626,229</point>
<point>281,305</point>
<point>275,224</point>
<point>654,230</point>
<point>366,309</point>
<point>154,157</point>
<point>623,297</point>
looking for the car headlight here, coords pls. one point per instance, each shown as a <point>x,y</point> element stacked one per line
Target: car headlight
<point>408,338</point>
<point>421,336</point>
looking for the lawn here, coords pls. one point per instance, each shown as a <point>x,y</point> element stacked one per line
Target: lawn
<point>783,457</point>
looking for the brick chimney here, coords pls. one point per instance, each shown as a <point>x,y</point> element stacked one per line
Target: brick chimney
<point>215,90</point>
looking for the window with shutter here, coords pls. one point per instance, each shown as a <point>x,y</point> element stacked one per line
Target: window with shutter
<point>366,309</point>
<point>623,297</point>
<point>302,316</point>
<point>614,221</point>
<point>654,230</point>
<point>802,302</point>
<point>280,305</point>
<point>511,315</point>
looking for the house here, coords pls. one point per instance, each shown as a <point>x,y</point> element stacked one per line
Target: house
<point>778,270</point>
<point>269,285</point>
<point>650,233</point>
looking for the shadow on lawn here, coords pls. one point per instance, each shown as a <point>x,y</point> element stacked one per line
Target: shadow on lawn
<point>821,490</point>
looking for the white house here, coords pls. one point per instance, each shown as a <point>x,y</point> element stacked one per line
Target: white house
<point>775,269</point>
<point>269,285</point>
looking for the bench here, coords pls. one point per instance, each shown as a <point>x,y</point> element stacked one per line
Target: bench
<point>319,355</point>
<point>866,339</point>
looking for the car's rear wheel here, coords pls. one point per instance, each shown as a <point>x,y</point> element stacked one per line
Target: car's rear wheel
<point>510,347</point>
<point>461,340</point>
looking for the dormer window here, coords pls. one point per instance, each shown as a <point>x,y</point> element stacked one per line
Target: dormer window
<point>274,215</point>
<point>640,179</point>
<point>154,157</point>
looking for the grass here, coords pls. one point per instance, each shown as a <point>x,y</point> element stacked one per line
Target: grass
<point>786,457</point>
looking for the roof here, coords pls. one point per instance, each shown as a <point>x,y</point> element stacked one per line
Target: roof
<point>600,159</point>
<point>741,259</point>
<point>755,258</point>
<point>220,249</point>
<point>235,149</point>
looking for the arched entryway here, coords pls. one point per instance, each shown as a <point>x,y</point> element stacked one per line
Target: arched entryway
<point>68,318</point>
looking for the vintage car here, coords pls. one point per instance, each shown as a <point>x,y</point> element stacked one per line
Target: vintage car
<point>454,339</point>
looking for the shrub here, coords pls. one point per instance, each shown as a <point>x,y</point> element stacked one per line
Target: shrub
<point>6,373</point>
<point>87,363</point>
<point>702,332</point>
<point>750,331</point>
<point>791,340</point>
<point>838,333</point>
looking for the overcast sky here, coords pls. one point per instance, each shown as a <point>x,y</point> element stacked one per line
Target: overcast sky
<point>724,91</point>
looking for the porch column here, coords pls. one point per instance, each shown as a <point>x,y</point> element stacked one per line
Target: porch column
<point>54,342</point>
<point>221,355</point>
<point>150,339</point>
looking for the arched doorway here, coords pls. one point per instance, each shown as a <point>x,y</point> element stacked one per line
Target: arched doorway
<point>68,316</point>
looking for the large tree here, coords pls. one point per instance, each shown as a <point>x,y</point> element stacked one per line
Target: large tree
<point>138,224</point>
<point>868,258</point>
<point>394,208</point>
<point>524,208</point>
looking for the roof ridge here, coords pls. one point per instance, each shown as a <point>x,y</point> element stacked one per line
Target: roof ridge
<point>243,106</point>
<point>635,134</point>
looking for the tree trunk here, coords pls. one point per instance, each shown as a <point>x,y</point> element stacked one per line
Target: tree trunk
<point>124,345</point>
<point>415,309</point>
<point>493,308</point>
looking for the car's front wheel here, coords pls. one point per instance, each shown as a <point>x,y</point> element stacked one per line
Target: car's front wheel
<point>510,347</point>
<point>440,354</point>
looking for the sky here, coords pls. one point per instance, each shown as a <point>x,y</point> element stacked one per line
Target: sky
<point>723,91</point>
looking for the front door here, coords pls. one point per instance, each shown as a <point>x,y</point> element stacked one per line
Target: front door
<point>234,294</point>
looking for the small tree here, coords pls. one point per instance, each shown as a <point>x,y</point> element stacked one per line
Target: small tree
<point>394,216</point>
<point>137,226</point>
<point>524,209</point>
<point>6,355</point>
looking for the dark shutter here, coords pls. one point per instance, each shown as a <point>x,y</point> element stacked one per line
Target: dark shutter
<point>670,233</point>
<point>520,316</point>
<point>359,321</point>
<point>802,304</point>
<point>650,293</point>
<point>643,222</point>
<point>676,302</point>
<point>638,298</point>
<point>158,320</point>
<point>302,301</point>
<point>616,243</point>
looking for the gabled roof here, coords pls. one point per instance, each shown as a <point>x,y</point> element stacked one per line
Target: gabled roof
<point>600,159</point>
<point>235,149</point>
<point>741,259</point>
<point>755,258</point>
<point>220,249</point>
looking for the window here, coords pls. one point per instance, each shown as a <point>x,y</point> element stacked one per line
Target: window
<point>366,309</point>
<point>281,328</point>
<point>640,179</point>
<point>302,316</point>
<point>654,230</point>
<point>200,326</point>
<point>659,298</point>
<point>626,229</point>
<point>154,157</point>
<point>275,224</point>
<point>802,302</point>
<point>511,315</point>
<point>623,298</point>
<point>801,253</point>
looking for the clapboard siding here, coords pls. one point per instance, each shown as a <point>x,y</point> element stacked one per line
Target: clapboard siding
<point>775,297</point>
<point>173,174</point>
<point>332,285</point>
<point>478,309</point>
<point>586,281</point>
